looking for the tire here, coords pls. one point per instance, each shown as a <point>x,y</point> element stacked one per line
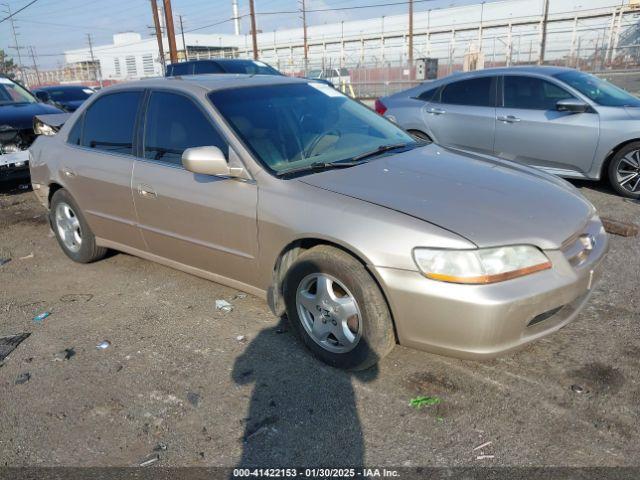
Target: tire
<point>371,326</point>
<point>626,160</point>
<point>72,230</point>
<point>421,136</point>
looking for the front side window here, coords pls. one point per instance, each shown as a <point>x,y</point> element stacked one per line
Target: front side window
<point>173,124</point>
<point>532,93</point>
<point>476,92</point>
<point>293,126</point>
<point>598,90</point>
<point>109,122</point>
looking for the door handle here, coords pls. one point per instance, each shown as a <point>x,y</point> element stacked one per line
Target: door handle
<point>68,173</point>
<point>435,111</point>
<point>146,191</point>
<point>508,119</point>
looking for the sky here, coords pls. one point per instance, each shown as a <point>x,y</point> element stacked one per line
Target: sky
<point>53,26</point>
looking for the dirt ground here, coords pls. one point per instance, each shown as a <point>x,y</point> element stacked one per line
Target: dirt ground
<point>204,387</point>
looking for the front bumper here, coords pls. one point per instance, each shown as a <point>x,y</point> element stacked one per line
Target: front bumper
<point>483,321</point>
<point>14,165</point>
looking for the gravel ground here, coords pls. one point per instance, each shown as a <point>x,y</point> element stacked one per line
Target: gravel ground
<point>205,387</point>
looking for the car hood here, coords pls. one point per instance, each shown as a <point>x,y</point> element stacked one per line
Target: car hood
<point>488,201</point>
<point>20,115</point>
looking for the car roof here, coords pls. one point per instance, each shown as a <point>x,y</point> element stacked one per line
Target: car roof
<point>61,87</point>
<point>209,82</point>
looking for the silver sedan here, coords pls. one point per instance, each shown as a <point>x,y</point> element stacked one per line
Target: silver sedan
<point>560,120</point>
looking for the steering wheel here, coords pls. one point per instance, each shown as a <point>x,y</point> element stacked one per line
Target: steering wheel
<point>314,143</point>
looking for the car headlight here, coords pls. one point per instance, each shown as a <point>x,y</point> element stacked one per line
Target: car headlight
<point>481,266</point>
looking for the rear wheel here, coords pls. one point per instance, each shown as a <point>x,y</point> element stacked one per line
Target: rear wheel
<point>624,171</point>
<point>72,230</point>
<point>337,309</point>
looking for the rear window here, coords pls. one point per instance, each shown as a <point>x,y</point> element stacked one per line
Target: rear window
<point>109,123</point>
<point>180,69</point>
<point>250,67</point>
<point>206,67</point>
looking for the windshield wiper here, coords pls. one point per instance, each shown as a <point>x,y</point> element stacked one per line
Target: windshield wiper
<point>320,166</point>
<point>379,150</point>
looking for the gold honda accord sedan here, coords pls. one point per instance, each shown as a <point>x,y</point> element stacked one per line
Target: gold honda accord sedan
<point>287,189</point>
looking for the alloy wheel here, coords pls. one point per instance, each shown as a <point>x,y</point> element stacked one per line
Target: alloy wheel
<point>68,226</point>
<point>329,313</point>
<point>628,172</point>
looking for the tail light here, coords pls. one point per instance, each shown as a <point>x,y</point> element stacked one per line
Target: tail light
<point>380,107</point>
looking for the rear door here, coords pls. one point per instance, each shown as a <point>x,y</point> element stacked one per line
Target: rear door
<point>462,114</point>
<point>98,164</point>
<point>530,130</point>
<point>201,221</point>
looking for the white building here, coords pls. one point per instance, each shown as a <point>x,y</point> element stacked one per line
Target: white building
<point>505,32</point>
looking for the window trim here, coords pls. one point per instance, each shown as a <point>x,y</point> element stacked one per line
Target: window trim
<point>501,103</point>
<point>142,126</point>
<point>90,105</point>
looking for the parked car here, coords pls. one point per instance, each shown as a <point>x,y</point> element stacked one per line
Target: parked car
<point>335,76</point>
<point>17,109</point>
<point>288,189</point>
<point>65,97</point>
<point>220,65</point>
<point>560,120</point>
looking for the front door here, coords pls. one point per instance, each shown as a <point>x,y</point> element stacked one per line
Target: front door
<point>201,221</point>
<point>530,130</point>
<point>462,115</point>
<point>98,163</point>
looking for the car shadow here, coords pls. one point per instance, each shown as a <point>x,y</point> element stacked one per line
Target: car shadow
<point>301,412</point>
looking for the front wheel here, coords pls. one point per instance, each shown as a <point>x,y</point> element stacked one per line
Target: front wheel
<point>337,309</point>
<point>624,171</point>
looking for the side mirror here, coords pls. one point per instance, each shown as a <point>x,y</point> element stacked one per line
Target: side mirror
<point>43,97</point>
<point>572,105</point>
<point>208,161</point>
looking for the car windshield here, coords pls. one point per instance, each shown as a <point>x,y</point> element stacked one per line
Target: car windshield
<point>598,90</point>
<point>250,67</point>
<point>11,92</point>
<point>70,94</point>
<point>293,126</point>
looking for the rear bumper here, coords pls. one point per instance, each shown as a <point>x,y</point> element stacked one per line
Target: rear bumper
<point>484,321</point>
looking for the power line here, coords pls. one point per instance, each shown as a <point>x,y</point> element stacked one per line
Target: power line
<point>11,15</point>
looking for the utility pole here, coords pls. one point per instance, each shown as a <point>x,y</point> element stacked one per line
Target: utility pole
<point>15,37</point>
<point>156,23</point>
<point>303,3</point>
<point>35,65</point>
<point>236,17</point>
<point>543,31</point>
<point>410,33</point>
<point>171,34</point>
<point>254,33</point>
<point>184,44</point>
<point>96,68</point>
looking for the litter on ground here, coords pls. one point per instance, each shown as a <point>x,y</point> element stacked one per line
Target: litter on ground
<point>421,401</point>
<point>103,345</point>
<point>41,316</point>
<point>224,306</point>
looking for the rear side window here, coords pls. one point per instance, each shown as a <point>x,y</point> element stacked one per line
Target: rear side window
<point>173,124</point>
<point>428,95</point>
<point>181,69</point>
<point>476,92</point>
<point>532,93</point>
<point>207,67</point>
<point>109,122</point>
